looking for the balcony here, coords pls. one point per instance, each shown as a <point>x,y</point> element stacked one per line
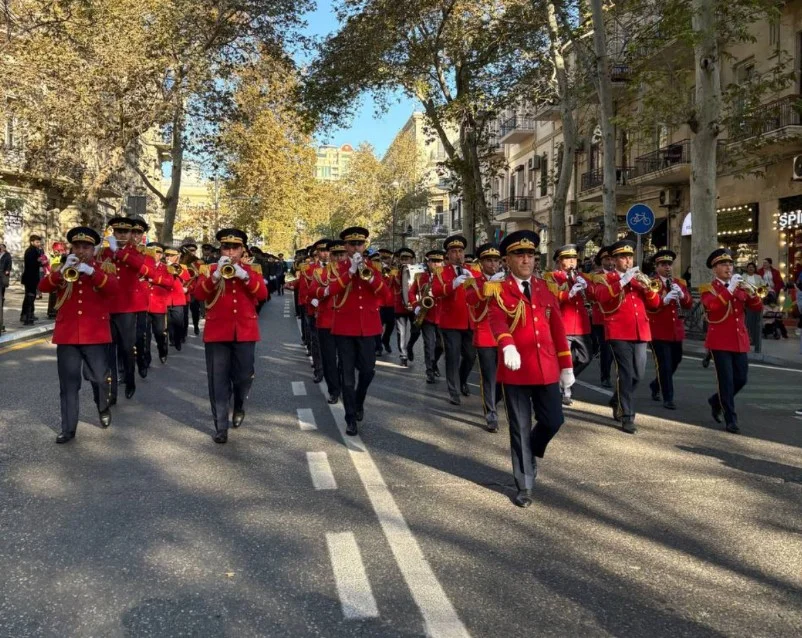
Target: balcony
<point>653,44</point>
<point>668,165</point>
<point>517,129</point>
<point>778,123</point>
<point>513,209</point>
<point>591,184</point>
<point>495,149</point>
<point>12,159</point>
<point>547,113</point>
<point>432,231</point>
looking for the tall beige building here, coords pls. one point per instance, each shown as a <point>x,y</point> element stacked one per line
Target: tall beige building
<point>333,161</point>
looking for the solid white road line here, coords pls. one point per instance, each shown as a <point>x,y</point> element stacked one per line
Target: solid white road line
<point>306,419</point>
<point>352,582</point>
<point>767,366</point>
<point>299,388</point>
<point>438,613</point>
<point>590,386</point>
<point>319,468</point>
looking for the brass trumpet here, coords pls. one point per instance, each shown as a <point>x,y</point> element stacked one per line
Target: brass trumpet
<point>365,272</point>
<point>227,271</point>
<point>651,284</point>
<point>174,269</point>
<point>70,274</point>
<point>752,290</point>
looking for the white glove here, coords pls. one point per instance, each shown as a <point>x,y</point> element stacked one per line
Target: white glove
<point>575,290</point>
<point>736,279</point>
<point>499,276</point>
<point>315,303</point>
<point>356,261</point>
<point>627,276</point>
<point>216,275</point>
<point>112,243</point>
<point>675,287</point>
<point>567,378</point>
<point>85,269</point>
<point>512,358</point>
<point>326,292</point>
<point>417,310</point>
<point>223,261</point>
<point>672,296</point>
<point>582,282</point>
<point>71,261</point>
<point>241,273</point>
<point>460,280</point>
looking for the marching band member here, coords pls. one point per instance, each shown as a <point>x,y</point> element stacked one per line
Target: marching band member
<point>387,309</point>
<point>320,253</point>
<point>483,339</point>
<point>141,294</point>
<point>725,301</point>
<point>160,286</point>
<point>130,266</point>
<point>177,302</point>
<point>534,360</point>
<point>571,290</point>
<point>428,319</point>
<point>603,263</point>
<point>624,296</point>
<point>403,314</point>
<point>231,291</point>
<point>356,287</point>
<point>189,256</point>
<point>668,327</point>
<point>454,321</point>
<point>83,327</point>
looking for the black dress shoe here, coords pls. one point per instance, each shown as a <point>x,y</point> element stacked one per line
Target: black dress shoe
<point>616,410</point>
<point>360,414</point>
<point>197,331</point>
<point>669,405</point>
<point>454,400</point>
<point>237,418</point>
<point>163,359</point>
<point>567,400</point>
<point>606,383</point>
<point>655,393</point>
<point>178,345</point>
<point>492,427</point>
<point>429,377</point>
<point>333,398</point>
<point>129,391</point>
<point>388,349</point>
<point>404,362</point>
<point>411,355</point>
<point>65,437</point>
<point>437,372</point>
<point>220,437</point>
<point>715,411</point>
<point>629,427</point>
<point>379,352</point>
<point>732,428</point>
<point>318,378</point>
<point>352,429</point>
<point>466,391</point>
<point>105,418</point>
<point>143,372</point>
<point>523,498</point>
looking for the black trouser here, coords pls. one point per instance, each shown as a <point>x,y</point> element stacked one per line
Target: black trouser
<point>51,304</point>
<point>668,355</point>
<point>280,285</point>
<point>175,323</point>
<point>185,324</point>
<point>28,302</point>
<point>195,310</point>
<point>581,352</point>
<point>297,305</point>
<point>328,353</point>
<point>229,368</point>
<point>630,363</point>
<point>2,302</point>
<point>387,314</point>
<point>304,326</point>
<point>460,355</point>
<point>156,328</point>
<point>355,353</point>
<point>526,441</point>
<point>491,390</point>
<point>432,345</point>
<point>601,346</point>
<point>123,334</point>
<point>142,360</point>
<point>93,360</point>
<point>314,344</point>
<point>732,369</point>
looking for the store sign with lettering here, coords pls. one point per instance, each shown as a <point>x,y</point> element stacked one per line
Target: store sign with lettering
<point>789,219</point>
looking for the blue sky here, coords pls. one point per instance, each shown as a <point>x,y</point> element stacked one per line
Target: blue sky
<point>365,126</point>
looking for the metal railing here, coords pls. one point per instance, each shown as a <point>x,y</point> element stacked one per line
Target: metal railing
<point>514,204</point>
<point>517,122</point>
<point>786,111</point>
<point>595,178</point>
<point>437,230</point>
<point>671,155</point>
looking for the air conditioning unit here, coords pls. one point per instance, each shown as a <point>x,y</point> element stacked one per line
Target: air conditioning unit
<point>572,220</point>
<point>533,164</point>
<point>531,185</point>
<point>798,168</point>
<point>669,197</point>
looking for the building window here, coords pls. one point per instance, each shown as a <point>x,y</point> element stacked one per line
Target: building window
<point>774,33</point>
<point>438,215</point>
<point>544,175</point>
<point>8,134</point>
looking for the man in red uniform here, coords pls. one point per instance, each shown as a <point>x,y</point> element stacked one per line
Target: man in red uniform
<point>624,300</point>
<point>668,327</point>
<point>130,298</point>
<point>455,325</point>
<point>483,339</point>
<point>160,285</point>
<point>320,256</point>
<point>535,360</point>
<point>231,291</point>
<point>401,311</point>
<point>189,255</point>
<point>725,301</point>
<point>177,301</point>
<point>572,291</point>
<point>387,308</point>
<point>430,324</point>
<point>603,263</point>
<point>356,287</point>
<point>141,295</point>
<point>83,328</point>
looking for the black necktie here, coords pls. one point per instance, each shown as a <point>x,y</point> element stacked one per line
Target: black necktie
<point>459,270</point>
<point>527,292</point>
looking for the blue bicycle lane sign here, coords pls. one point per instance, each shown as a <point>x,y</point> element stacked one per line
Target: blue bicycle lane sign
<point>640,219</point>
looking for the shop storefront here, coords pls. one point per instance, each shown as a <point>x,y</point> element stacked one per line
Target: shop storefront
<point>788,222</point>
<point>738,231</point>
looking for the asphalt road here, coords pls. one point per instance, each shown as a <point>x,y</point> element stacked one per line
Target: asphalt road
<point>150,529</point>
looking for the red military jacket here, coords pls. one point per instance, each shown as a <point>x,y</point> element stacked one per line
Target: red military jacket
<point>726,325</point>
<point>388,294</point>
<point>478,310</point>
<point>305,282</point>
<point>453,307</point>
<point>83,306</point>
<point>230,306</point>
<point>575,315</point>
<point>132,266</point>
<point>160,287</point>
<point>665,320</point>
<point>596,315</point>
<point>422,280</point>
<point>325,309</point>
<point>534,327</point>
<point>395,287</point>
<point>356,301</point>
<point>624,308</point>
<point>177,295</point>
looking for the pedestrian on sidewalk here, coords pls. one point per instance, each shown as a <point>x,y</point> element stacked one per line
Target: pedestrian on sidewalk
<point>773,317</point>
<point>30,278</point>
<point>5,281</point>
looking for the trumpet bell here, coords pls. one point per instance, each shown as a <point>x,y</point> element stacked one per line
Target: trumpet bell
<point>174,269</point>
<point>70,274</point>
<point>654,285</point>
<point>366,273</point>
<point>227,271</point>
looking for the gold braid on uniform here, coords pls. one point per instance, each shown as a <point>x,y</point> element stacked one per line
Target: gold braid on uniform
<point>344,294</point>
<point>516,314</point>
<point>221,286</point>
<point>602,279</point>
<point>482,297</point>
<point>64,296</point>
<point>316,274</point>
<point>709,288</point>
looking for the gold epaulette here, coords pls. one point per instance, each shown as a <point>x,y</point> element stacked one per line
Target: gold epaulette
<point>682,282</point>
<point>256,268</point>
<point>151,252</point>
<point>705,288</point>
<point>141,249</point>
<point>108,267</point>
<point>204,270</point>
<point>599,279</point>
<point>184,268</point>
<point>491,288</point>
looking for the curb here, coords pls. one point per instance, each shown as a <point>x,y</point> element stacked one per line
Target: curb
<point>757,357</point>
<point>21,335</point>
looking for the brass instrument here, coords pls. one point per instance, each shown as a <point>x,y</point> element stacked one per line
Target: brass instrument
<point>426,302</point>
<point>365,272</point>
<point>70,274</point>
<point>174,269</point>
<point>652,284</point>
<point>752,290</point>
<point>227,271</point>
<point>193,270</point>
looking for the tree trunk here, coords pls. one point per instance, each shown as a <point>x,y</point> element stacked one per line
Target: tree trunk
<point>474,208</point>
<point>604,87</point>
<point>557,230</point>
<point>703,144</point>
<point>177,157</point>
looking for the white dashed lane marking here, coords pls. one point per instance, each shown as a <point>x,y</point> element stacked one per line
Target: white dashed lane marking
<point>352,582</point>
<point>319,468</point>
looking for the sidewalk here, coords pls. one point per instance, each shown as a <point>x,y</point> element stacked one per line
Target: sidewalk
<point>783,352</point>
<point>15,331</point>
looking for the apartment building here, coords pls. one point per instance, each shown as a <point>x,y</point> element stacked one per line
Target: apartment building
<point>332,161</point>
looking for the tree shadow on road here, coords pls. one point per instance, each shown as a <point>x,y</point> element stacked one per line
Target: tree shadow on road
<point>743,463</point>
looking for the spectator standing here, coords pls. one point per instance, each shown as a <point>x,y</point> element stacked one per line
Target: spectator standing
<point>5,280</point>
<point>771,276</point>
<point>753,320</point>
<point>30,278</point>
<point>773,316</point>
<point>687,277</point>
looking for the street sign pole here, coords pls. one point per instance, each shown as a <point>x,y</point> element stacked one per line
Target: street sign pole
<point>639,251</point>
<point>640,220</point>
